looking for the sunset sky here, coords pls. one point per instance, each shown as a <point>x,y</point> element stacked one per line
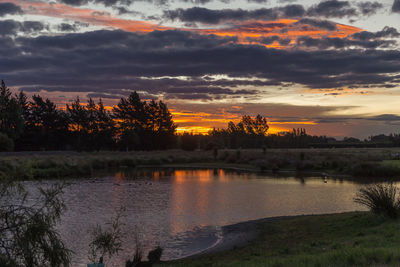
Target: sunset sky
<point>332,67</point>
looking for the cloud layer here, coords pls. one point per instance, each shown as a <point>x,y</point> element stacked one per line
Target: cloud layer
<point>116,61</point>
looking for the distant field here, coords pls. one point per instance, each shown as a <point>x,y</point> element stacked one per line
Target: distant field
<point>359,162</point>
<point>347,239</point>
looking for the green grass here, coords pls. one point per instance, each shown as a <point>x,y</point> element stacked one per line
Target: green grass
<point>392,163</point>
<point>347,239</point>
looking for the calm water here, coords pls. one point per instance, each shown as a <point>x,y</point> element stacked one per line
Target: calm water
<point>183,210</point>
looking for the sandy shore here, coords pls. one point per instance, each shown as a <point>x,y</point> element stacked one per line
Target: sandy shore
<point>238,235</point>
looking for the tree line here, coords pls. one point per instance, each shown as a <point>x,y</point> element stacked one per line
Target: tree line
<point>39,125</point>
<point>134,124</point>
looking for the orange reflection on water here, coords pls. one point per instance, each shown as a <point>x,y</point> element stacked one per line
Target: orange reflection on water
<point>203,176</point>
<point>185,196</point>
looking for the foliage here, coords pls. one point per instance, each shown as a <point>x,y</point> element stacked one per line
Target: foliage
<point>6,143</point>
<point>154,255</point>
<point>46,127</point>
<point>106,242</point>
<point>39,125</point>
<point>27,230</point>
<point>143,125</point>
<point>11,121</point>
<point>380,199</point>
<point>92,126</point>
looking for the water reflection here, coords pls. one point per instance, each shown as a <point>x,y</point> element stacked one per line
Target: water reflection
<point>182,210</point>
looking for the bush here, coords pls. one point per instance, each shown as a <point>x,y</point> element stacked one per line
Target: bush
<point>6,143</point>
<point>155,255</point>
<point>380,199</point>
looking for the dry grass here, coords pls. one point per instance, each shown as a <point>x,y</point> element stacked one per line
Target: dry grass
<point>362,162</point>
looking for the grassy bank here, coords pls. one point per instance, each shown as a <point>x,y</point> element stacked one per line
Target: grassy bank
<point>347,239</point>
<point>36,165</point>
<point>361,162</point>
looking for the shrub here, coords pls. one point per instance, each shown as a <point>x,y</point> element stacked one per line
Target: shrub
<point>380,199</point>
<point>155,255</point>
<point>106,242</point>
<point>6,143</point>
<point>28,233</point>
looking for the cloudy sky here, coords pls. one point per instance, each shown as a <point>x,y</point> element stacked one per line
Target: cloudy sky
<point>332,67</point>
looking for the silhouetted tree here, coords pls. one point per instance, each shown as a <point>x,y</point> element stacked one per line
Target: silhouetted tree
<point>11,121</point>
<point>249,132</point>
<point>46,127</point>
<point>100,126</point>
<point>142,125</point>
<point>79,123</point>
<point>162,127</point>
<point>131,120</point>
<point>105,127</point>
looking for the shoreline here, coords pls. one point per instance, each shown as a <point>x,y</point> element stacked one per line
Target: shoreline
<point>236,235</point>
<point>334,239</point>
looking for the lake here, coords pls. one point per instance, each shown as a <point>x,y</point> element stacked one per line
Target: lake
<point>183,210</point>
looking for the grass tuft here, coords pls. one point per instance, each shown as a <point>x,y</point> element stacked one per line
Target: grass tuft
<point>380,199</point>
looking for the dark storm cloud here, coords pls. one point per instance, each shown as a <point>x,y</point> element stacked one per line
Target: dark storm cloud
<point>348,42</point>
<point>258,1</point>
<point>269,40</point>
<point>32,26</point>
<point>68,27</point>
<point>387,32</point>
<point>396,6</point>
<point>107,3</point>
<point>74,2</point>
<point>12,27</point>
<point>332,9</point>
<point>65,27</point>
<point>9,9</point>
<point>327,9</point>
<point>210,16</point>
<point>369,8</point>
<point>115,61</point>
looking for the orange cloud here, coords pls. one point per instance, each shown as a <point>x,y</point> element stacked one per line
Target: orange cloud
<point>249,32</point>
<point>91,16</point>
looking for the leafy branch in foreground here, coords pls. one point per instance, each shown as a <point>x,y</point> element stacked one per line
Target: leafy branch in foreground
<point>106,242</point>
<point>27,228</point>
<point>380,199</point>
